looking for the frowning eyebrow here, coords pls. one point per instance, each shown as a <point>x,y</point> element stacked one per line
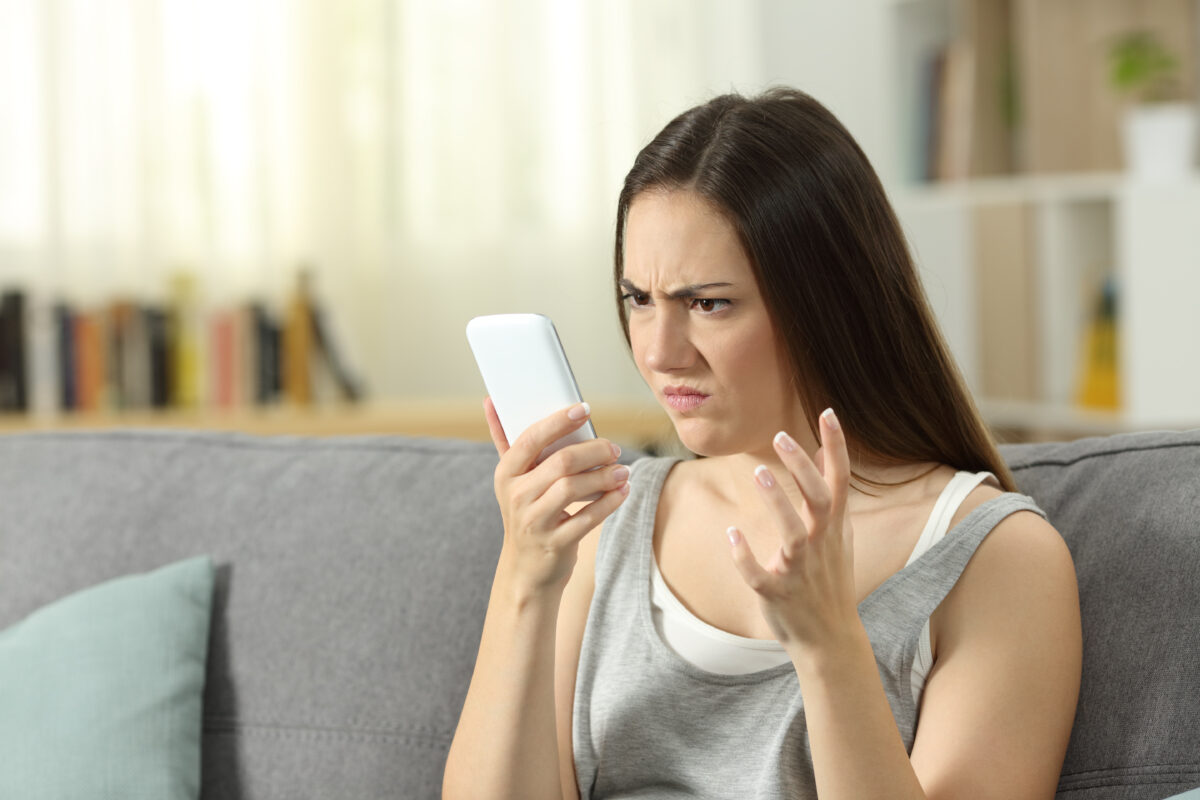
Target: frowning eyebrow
<point>692,290</point>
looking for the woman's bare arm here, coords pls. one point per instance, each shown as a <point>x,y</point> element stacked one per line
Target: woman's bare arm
<point>999,702</point>
<point>572,619</point>
<point>507,741</point>
<point>1000,699</point>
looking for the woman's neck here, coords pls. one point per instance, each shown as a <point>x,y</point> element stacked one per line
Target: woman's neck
<point>735,476</point>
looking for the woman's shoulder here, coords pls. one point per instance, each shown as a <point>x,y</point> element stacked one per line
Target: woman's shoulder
<point>1021,562</point>
<point>656,478</point>
<point>647,466</point>
<point>1020,537</point>
<point>1007,644</point>
<point>985,491</point>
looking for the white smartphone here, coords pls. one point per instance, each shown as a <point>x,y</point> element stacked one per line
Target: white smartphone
<point>526,373</point>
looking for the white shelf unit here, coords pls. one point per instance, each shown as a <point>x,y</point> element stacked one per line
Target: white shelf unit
<point>1078,228</point>
<point>1146,235</point>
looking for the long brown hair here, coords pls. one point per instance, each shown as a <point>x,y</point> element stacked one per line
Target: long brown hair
<point>834,269</point>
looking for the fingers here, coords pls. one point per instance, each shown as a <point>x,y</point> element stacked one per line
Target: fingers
<point>823,481</point>
<point>524,452</point>
<point>579,473</point>
<point>806,475</point>
<point>747,565</point>
<point>792,530</point>
<point>836,459</point>
<point>493,422</point>
<point>565,489</point>
<point>587,518</point>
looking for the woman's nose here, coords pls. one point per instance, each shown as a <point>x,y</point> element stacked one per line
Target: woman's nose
<point>669,347</point>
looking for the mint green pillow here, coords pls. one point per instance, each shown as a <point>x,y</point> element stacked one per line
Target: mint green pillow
<point>101,692</point>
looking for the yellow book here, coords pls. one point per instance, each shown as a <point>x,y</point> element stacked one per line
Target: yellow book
<point>298,343</point>
<point>184,341</point>
<point>1099,384</point>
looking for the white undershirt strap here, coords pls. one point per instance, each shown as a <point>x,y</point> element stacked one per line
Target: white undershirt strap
<point>718,651</point>
<point>961,485</point>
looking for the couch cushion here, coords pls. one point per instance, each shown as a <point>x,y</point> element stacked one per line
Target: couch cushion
<point>352,579</point>
<point>100,691</point>
<point>1129,509</point>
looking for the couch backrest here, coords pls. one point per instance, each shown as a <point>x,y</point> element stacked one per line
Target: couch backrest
<point>353,575</point>
<point>1129,508</point>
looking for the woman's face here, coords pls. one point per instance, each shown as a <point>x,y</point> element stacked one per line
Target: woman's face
<point>700,332</point>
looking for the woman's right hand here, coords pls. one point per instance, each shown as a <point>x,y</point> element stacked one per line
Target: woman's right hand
<point>541,537</point>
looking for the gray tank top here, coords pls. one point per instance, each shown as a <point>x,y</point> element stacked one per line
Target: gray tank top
<point>649,724</point>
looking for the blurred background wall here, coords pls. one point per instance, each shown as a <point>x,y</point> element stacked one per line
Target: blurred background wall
<point>426,161</point>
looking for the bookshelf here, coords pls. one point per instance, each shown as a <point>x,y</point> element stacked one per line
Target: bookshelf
<point>128,357</point>
<point>1012,193</point>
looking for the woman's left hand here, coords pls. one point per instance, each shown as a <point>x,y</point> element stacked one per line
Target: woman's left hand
<point>807,587</point>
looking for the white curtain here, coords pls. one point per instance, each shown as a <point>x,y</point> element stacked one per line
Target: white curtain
<point>429,159</point>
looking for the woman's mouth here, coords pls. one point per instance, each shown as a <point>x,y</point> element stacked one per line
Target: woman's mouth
<point>682,398</point>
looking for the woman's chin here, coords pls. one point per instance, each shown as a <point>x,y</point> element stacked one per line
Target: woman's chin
<point>702,440</point>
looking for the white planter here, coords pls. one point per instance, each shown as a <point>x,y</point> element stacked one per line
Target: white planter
<point>1160,141</point>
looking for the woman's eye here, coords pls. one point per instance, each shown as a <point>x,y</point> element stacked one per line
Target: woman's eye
<point>709,304</point>
<point>636,298</point>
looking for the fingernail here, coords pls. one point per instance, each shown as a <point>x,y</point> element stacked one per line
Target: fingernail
<point>621,474</point>
<point>831,419</point>
<point>579,411</point>
<point>733,534</point>
<point>785,443</point>
<point>616,451</point>
<point>763,476</point>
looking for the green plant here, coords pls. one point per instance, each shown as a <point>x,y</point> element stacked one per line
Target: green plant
<point>1141,65</point>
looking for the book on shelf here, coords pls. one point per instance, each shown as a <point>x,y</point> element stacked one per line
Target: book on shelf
<point>129,349</point>
<point>312,356</point>
<point>158,356</point>
<point>332,356</point>
<point>929,112</point>
<point>946,112</point>
<point>266,339</point>
<point>222,358</point>
<point>41,349</point>
<point>127,355</point>
<point>1004,259</point>
<point>298,343</point>
<point>14,386</point>
<point>955,112</point>
<point>64,332</point>
<point>89,332</point>
<point>1099,374</point>
<point>184,329</point>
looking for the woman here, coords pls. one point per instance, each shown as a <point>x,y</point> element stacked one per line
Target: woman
<point>844,605</point>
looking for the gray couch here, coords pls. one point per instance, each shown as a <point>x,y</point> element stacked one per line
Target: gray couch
<point>353,575</point>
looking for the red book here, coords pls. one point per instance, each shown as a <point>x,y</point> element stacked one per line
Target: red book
<point>224,359</point>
